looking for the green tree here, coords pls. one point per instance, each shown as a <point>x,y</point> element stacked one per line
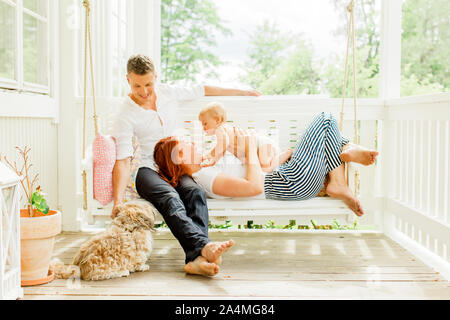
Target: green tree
<point>267,45</point>
<point>426,43</point>
<point>367,44</point>
<point>367,84</point>
<point>279,64</point>
<point>295,75</point>
<point>187,34</point>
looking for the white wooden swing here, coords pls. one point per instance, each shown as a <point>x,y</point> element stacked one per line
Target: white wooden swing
<point>287,127</point>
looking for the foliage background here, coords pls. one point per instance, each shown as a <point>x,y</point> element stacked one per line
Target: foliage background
<point>280,63</point>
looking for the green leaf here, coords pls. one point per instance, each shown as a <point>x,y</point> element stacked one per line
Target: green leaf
<point>38,201</point>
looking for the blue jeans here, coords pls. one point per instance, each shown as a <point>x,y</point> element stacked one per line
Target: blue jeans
<point>184,209</point>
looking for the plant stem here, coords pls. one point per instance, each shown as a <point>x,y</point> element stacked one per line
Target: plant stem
<point>30,210</point>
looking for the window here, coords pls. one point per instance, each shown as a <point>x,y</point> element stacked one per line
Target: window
<point>24,45</point>
<point>425,47</point>
<point>120,10</point>
<point>112,44</point>
<point>278,47</point>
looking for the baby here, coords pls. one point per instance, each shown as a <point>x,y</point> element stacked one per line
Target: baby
<point>213,119</point>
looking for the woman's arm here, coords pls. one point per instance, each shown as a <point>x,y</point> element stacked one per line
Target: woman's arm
<point>253,184</point>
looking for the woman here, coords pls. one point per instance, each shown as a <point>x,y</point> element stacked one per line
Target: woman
<point>320,151</point>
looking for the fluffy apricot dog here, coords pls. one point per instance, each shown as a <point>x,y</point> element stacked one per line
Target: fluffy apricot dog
<point>123,247</point>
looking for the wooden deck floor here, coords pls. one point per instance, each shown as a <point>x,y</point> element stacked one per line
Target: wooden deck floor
<point>264,266</point>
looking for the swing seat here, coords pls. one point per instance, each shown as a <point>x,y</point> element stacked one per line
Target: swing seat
<point>322,209</point>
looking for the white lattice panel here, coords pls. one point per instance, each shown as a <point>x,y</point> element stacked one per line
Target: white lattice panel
<point>10,242</point>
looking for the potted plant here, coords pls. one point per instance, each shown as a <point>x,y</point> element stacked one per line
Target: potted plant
<point>38,226</point>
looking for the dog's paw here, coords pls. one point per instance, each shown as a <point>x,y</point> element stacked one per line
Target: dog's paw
<point>143,267</point>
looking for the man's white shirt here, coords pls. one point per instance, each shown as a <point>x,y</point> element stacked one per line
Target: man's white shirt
<point>149,126</point>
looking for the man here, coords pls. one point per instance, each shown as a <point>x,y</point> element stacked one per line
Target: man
<point>149,114</point>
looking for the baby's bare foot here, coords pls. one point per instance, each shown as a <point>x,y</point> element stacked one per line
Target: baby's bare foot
<point>213,250</point>
<point>344,193</point>
<point>201,267</point>
<point>358,154</point>
<point>284,156</point>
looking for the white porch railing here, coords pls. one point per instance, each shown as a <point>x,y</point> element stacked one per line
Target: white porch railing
<point>416,164</point>
<point>405,194</point>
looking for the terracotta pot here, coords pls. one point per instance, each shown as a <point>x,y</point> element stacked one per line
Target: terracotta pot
<point>37,238</point>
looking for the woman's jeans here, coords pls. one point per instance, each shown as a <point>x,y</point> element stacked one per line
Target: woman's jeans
<point>184,209</point>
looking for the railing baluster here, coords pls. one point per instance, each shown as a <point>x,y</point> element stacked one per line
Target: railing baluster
<point>399,157</point>
<point>392,186</point>
<point>413,167</point>
<point>405,160</point>
<point>434,190</point>
<point>420,173</point>
<point>440,171</point>
<point>446,176</point>
<point>428,170</point>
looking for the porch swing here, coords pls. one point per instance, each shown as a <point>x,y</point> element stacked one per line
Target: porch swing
<point>98,166</point>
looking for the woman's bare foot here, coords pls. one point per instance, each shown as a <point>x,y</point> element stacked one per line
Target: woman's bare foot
<point>343,192</point>
<point>201,267</point>
<point>358,154</point>
<point>213,250</point>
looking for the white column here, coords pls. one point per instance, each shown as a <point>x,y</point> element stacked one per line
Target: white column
<point>390,48</point>
<point>69,139</point>
<point>390,68</point>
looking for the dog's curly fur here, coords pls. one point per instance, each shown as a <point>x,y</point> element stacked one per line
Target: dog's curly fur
<point>123,247</point>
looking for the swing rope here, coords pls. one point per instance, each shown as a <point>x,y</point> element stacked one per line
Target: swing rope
<point>350,34</point>
<point>87,42</point>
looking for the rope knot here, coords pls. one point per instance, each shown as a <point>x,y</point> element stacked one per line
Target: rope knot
<point>87,5</point>
<point>350,6</point>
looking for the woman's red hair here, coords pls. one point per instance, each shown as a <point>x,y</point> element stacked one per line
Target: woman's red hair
<point>167,169</point>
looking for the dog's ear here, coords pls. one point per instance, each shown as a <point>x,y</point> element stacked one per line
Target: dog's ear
<point>138,214</point>
<point>134,215</point>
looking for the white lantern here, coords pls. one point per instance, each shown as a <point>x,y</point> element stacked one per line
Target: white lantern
<point>10,288</point>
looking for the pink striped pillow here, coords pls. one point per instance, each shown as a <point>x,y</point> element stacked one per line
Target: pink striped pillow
<point>104,159</point>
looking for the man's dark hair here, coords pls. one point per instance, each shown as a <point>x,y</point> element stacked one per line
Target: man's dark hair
<point>140,65</point>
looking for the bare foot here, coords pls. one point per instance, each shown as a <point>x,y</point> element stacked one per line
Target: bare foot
<point>213,250</point>
<point>344,193</point>
<point>201,267</point>
<point>358,154</point>
<point>284,156</point>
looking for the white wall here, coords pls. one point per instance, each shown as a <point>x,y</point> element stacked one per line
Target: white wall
<point>41,135</point>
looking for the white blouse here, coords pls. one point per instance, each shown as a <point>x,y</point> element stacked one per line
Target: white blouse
<point>229,165</point>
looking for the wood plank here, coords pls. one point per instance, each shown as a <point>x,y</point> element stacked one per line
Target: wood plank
<point>254,289</point>
<point>262,265</point>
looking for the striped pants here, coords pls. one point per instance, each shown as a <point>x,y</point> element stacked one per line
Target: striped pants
<point>316,154</point>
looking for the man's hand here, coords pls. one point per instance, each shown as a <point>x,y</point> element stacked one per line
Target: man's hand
<point>253,93</point>
<point>115,209</point>
<point>218,91</point>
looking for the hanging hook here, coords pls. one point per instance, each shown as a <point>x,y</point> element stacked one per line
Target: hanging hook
<point>351,6</point>
<point>87,5</point>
